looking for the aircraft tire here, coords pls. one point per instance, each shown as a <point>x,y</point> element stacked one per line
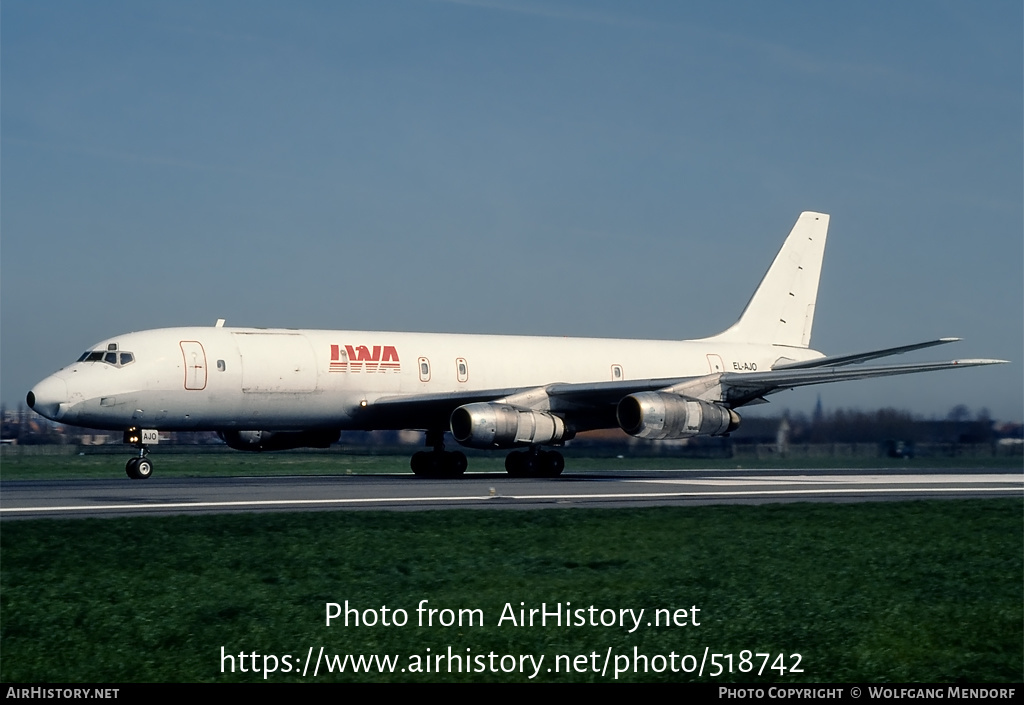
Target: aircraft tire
<point>143,469</point>
<point>457,463</point>
<point>438,464</point>
<point>552,463</point>
<point>514,465</point>
<point>129,468</point>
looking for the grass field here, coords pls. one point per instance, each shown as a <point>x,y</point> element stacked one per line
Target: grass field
<point>915,591</point>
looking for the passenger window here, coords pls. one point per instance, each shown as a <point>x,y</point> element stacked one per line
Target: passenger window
<point>462,369</point>
<point>424,365</point>
<point>221,366</point>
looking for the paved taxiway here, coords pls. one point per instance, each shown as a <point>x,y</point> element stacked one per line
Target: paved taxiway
<point>122,497</point>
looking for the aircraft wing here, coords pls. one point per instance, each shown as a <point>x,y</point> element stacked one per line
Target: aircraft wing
<point>739,388</point>
<point>592,404</point>
<point>735,389</point>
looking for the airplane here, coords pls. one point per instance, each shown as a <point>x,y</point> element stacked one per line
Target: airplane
<point>276,389</point>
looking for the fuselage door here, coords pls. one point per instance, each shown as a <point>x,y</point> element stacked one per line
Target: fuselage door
<point>195,364</point>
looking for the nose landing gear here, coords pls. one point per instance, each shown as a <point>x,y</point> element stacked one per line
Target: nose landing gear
<point>140,467</point>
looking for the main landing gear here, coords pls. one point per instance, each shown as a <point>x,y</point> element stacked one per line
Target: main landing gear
<point>534,463</point>
<point>438,462</point>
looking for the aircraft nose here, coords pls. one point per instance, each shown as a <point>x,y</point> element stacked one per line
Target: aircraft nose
<point>47,396</point>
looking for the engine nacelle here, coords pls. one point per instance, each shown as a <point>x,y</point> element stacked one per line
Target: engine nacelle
<point>659,416</point>
<point>278,440</point>
<point>487,425</point>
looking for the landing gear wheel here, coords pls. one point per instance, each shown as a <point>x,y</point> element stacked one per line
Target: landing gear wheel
<point>143,469</point>
<point>543,463</point>
<point>439,463</point>
<point>515,465</point>
<point>457,463</point>
<point>419,463</point>
<point>139,468</point>
<point>552,464</point>
<point>424,464</point>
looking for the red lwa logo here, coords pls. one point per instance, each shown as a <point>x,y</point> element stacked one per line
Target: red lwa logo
<point>360,358</point>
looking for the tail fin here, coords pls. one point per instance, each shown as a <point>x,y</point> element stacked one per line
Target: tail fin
<point>781,311</point>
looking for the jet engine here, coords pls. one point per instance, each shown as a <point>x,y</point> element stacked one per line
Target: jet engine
<point>488,425</point>
<point>278,440</point>
<point>658,416</point>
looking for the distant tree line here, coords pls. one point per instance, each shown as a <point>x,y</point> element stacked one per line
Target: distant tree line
<point>881,425</point>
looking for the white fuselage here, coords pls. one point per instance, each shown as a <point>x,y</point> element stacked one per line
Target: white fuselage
<point>242,378</point>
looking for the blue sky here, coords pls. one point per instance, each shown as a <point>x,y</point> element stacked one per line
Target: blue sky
<point>557,168</point>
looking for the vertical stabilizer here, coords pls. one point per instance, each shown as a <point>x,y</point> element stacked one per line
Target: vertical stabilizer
<point>781,311</point>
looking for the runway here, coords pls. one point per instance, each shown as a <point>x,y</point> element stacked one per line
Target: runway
<point>25,499</point>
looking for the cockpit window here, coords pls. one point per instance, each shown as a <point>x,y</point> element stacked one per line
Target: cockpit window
<point>111,358</point>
